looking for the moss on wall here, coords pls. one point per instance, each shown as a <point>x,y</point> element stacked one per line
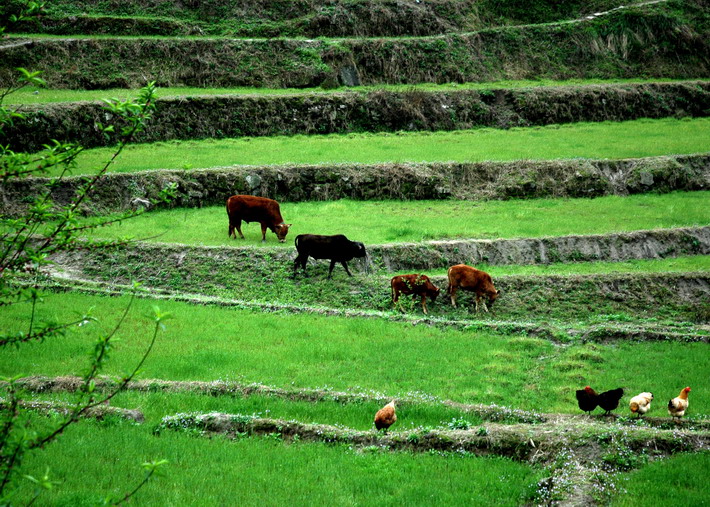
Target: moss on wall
<point>377,111</point>
<point>671,39</point>
<point>481,180</point>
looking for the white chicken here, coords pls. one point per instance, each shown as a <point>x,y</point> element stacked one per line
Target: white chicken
<point>641,403</point>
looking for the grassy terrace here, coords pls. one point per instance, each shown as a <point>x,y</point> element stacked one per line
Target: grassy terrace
<point>314,473</point>
<point>650,484</point>
<point>247,472</point>
<point>675,265</point>
<point>32,95</point>
<point>360,354</point>
<point>608,140</point>
<point>389,221</point>
<point>356,415</point>
<point>637,324</point>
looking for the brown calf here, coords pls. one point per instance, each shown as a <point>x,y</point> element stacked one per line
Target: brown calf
<point>417,285</point>
<point>465,277</point>
<point>250,208</point>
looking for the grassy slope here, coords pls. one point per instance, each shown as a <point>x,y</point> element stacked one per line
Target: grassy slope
<point>32,95</point>
<point>208,343</point>
<point>358,415</point>
<point>389,221</point>
<point>638,138</point>
<point>266,472</point>
<point>673,265</point>
<point>682,477</point>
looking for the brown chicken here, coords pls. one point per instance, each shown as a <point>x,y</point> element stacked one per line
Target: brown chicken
<point>678,405</point>
<point>385,417</point>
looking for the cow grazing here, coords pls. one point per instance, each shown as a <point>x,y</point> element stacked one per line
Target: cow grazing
<point>249,208</point>
<point>337,248</point>
<point>415,284</point>
<point>465,277</point>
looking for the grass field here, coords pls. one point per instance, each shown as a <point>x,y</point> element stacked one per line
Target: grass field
<point>266,471</point>
<point>607,140</point>
<point>673,265</point>
<point>642,325</point>
<point>374,222</point>
<point>356,415</point>
<point>684,475</point>
<point>210,343</point>
<point>32,95</point>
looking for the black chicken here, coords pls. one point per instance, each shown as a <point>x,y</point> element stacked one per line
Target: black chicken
<point>609,400</point>
<point>588,399</point>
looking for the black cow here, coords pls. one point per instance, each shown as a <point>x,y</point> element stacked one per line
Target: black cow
<point>337,248</point>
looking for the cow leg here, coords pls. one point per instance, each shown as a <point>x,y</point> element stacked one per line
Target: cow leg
<point>345,265</point>
<point>238,225</point>
<point>395,298</point>
<point>330,271</point>
<point>231,230</point>
<point>263,233</point>
<point>452,292</point>
<point>424,304</point>
<point>480,297</point>
<point>397,304</point>
<point>302,260</point>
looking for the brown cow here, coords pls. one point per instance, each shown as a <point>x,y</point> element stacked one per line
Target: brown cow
<point>250,208</point>
<point>465,277</point>
<point>415,284</point>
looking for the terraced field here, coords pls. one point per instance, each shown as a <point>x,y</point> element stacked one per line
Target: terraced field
<point>563,147</point>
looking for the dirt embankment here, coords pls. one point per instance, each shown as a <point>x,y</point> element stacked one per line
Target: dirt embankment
<point>98,412</point>
<point>664,40</point>
<point>489,413</point>
<point>303,18</point>
<point>593,443</point>
<point>651,244</point>
<point>469,181</point>
<point>374,111</point>
<point>264,275</point>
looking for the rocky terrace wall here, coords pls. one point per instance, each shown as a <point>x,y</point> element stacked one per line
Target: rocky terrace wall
<point>649,244</point>
<point>665,40</point>
<point>376,111</point>
<point>478,181</point>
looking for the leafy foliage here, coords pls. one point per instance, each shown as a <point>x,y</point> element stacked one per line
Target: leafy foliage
<point>27,243</point>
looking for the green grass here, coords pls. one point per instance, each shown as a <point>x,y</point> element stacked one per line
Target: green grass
<point>684,478</point>
<point>356,415</point>
<point>559,305</point>
<point>32,95</point>
<point>210,343</point>
<point>641,138</point>
<point>375,222</point>
<point>673,265</point>
<point>264,471</point>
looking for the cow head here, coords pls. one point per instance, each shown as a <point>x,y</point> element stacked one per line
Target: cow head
<point>359,250</point>
<point>281,230</point>
<point>434,292</point>
<point>492,296</point>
